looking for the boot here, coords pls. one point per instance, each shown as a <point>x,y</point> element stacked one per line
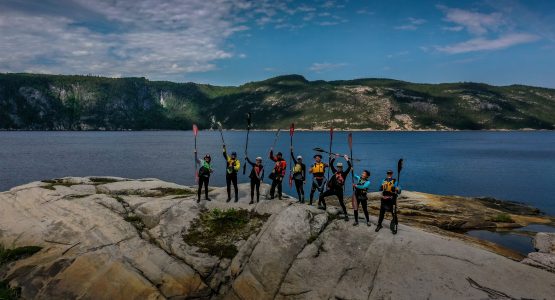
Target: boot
<point>378,227</point>
<point>228,199</point>
<point>355,223</point>
<point>368,224</point>
<point>252,202</point>
<point>347,218</point>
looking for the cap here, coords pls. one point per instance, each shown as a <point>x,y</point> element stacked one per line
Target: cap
<point>279,153</point>
<point>339,164</point>
<point>233,153</point>
<point>259,158</point>
<point>207,156</point>
<point>299,157</point>
<point>389,171</point>
<point>317,155</point>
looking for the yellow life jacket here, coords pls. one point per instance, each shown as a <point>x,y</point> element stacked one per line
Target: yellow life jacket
<point>389,186</point>
<point>298,168</point>
<point>318,167</point>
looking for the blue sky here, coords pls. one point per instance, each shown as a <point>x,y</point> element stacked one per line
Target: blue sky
<point>232,42</point>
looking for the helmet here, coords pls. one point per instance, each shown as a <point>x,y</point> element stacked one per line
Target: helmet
<point>207,156</point>
<point>340,165</point>
<point>299,157</point>
<point>259,158</point>
<point>318,155</point>
<point>233,153</point>
<point>389,171</point>
<point>279,154</point>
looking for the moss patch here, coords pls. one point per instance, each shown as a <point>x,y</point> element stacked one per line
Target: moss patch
<point>9,255</point>
<point>7,293</point>
<point>102,180</point>
<point>502,218</point>
<point>216,231</point>
<point>53,182</point>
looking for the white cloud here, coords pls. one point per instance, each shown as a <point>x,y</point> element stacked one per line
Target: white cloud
<point>412,24</point>
<point>325,66</point>
<point>475,22</point>
<point>159,39</point>
<point>483,44</point>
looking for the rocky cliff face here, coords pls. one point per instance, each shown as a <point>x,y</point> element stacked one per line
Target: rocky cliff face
<point>114,238</point>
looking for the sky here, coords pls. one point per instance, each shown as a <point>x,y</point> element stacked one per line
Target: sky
<point>227,42</point>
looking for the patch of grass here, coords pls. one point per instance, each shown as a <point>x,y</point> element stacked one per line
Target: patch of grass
<point>135,221</point>
<point>312,238</point>
<point>174,191</point>
<point>102,180</point>
<point>7,293</point>
<point>502,218</point>
<point>119,199</point>
<point>216,231</point>
<point>9,255</point>
<point>53,182</point>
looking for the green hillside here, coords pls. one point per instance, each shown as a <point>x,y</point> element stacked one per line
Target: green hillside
<point>55,102</point>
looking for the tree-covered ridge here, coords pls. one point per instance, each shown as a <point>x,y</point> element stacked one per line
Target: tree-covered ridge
<point>57,102</point>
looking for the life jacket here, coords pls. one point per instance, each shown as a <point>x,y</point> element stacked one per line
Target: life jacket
<point>318,168</point>
<point>339,178</point>
<point>298,168</point>
<point>232,165</point>
<point>337,181</point>
<point>279,168</point>
<point>389,186</point>
<point>256,172</point>
<point>204,170</point>
<point>361,193</point>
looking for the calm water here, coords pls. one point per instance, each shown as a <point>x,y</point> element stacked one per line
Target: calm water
<point>517,166</point>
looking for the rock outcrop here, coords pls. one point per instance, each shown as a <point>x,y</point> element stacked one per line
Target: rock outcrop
<point>544,258</point>
<point>114,238</point>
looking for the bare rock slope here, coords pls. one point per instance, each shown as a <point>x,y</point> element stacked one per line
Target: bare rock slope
<point>114,238</point>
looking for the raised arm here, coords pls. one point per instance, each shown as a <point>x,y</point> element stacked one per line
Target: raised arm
<point>349,166</point>
<point>250,162</point>
<point>272,155</point>
<point>332,165</point>
<point>363,186</point>
<point>225,154</point>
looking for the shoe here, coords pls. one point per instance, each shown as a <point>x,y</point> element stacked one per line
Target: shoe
<point>236,200</point>
<point>228,199</point>
<point>208,199</point>
<point>252,202</point>
<point>198,200</point>
<point>378,227</point>
<point>393,228</point>
<point>355,223</point>
<point>279,198</point>
<point>347,218</point>
<point>368,224</point>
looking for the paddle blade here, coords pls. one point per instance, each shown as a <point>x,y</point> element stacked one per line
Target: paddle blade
<point>292,129</point>
<point>318,149</point>
<point>249,120</point>
<point>350,140</point>
<point>195,129</point>
<point>399,166</point>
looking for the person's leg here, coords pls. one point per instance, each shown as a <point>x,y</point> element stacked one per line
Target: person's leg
<point>234,180</point>
<point>257,190</point>
<point>339,195</point>
<point>299,188</point>
<point>228,184</point>
<point>312,190</point>
<point>253,183</point>
<point>382,214</point>
<point>279,188</point>
<point>206,182</point>
<point>322,198</point>
<point>200,181</point>
<point>273,188</point>
<point>364,203</point>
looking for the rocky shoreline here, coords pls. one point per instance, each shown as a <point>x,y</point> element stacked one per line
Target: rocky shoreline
<point>116,238</point>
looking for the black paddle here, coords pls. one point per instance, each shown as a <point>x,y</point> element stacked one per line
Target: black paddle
<point>399,168</point>
<point>247,142</point>
<point>318,149</point>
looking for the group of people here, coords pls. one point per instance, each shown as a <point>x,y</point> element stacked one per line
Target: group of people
<point>333,185</point>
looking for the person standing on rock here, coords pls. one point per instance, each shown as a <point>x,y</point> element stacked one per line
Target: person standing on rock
<point>361,190</point>
<point>278,173</point>
<point>256,176</point>
<point>299,175</point>
<point>233,166</point>
<point>390,190</point>
<point>318,170</point>
<point>336,183</point>
<point>204,175</point>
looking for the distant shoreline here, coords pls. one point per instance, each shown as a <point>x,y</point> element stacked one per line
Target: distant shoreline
<point>296,129</point>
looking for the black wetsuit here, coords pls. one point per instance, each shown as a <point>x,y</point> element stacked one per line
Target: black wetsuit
<point>318,181</point>
<point>335,186</point>
<point>256,176</point>
<point>277,175</point>
<point>299,178</point>
<point>231,176</point>
<point>361,191</point>
<point>203,178</point>
<point>388,202</point>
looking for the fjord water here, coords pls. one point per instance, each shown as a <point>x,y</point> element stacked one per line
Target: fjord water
<point>518,166</point>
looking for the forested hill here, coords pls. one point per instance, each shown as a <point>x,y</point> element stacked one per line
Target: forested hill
<point>56,102</point>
